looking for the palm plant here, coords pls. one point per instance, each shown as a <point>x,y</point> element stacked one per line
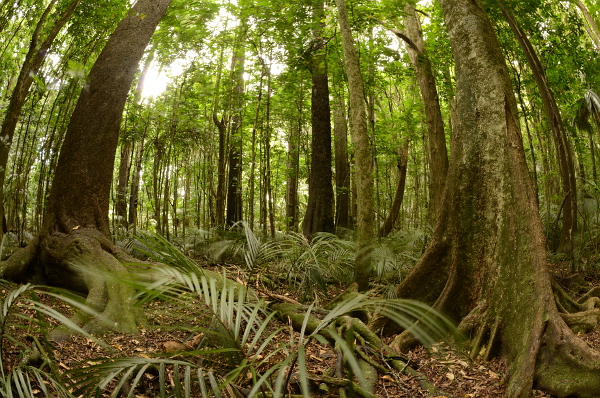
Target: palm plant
<point>238,346</point>
<point>24,314</point>
<point>305,265</point>
<point>242,347</point>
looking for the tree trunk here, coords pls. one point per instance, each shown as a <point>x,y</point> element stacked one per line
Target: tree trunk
<point>251,179</point>
<point>219,213</point>
<point>123,183</point>
<point>319,210</point>
<point>563,149</point>
<point>234,184</point>
<point>268,183</point>
<point>135,182</point>
<point>76,236</point>
<point>590,24</point>
<point>388,225</point>
<point>438,154</point>
<point>293,168</point>
<point>364,166</point>
<point>342,168</point>
<point>486,262</point>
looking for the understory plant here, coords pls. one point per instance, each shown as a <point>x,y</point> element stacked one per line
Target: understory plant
<point>237,344</point>
<point>25,322</point>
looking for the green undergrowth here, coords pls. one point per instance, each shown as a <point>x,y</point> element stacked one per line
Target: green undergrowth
<point>235,342</point>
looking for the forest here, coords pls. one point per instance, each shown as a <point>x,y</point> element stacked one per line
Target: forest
<point>312,198</point>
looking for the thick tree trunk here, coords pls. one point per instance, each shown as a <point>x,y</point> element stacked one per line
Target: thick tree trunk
<point>486,263</point>
<point>364,167</point>
<point>75,246</point>
<point>319,210</point>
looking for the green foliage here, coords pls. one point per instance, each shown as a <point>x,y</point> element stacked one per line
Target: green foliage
<point>306,266</point>
<point>37,374</point>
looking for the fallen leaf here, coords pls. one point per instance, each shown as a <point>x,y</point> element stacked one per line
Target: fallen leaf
<point>171,346</point>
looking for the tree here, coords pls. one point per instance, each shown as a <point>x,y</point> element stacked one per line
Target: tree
<point>75,245</point>
<point>319,210</point>
<point>364,167</point>
<point>438,154</point>
<point>234,183</point>
<point>402,165</point>
<point>486,262</point>
<point>342,168</point>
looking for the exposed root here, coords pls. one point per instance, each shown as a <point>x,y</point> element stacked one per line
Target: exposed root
<point>16,267</point>
<point>581,316</point>
<point>582,322</point>
<point>566,366</point>
<point>366,340</point>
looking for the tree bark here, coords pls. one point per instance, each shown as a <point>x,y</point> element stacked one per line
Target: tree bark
<point>342,168</point>
<point>319,210</point>
<point>75,238</point>
<point>486,262</point>
<point>234,183</point>
<point>364,167</point>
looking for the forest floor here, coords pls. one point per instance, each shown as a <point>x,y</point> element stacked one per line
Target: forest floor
<point>451,370</point>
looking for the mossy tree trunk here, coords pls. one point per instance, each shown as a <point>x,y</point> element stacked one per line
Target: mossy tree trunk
<point>486,263</point>
<point>364,166</point>
<point>74,248</point>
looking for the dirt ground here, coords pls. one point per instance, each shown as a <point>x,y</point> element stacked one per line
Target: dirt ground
<point>451,370</point>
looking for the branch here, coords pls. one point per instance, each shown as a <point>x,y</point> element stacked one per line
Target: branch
<point>399,34</point>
